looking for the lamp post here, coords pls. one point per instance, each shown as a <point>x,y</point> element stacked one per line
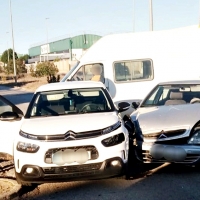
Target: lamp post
<point>47,39</point>
<point>8,48</point>
<point>133,15</point>
<point>199,14</point>
<point>150,15</point>
<point>11,23</point>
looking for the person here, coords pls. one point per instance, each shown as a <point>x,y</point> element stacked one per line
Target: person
<point>97,71</point>
<point>146,69</point>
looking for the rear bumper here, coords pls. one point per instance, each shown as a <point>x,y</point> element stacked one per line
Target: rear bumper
<point>161,153</point>
<point>108,168</point>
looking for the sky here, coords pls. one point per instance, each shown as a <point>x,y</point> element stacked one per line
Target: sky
<point>36,20</point>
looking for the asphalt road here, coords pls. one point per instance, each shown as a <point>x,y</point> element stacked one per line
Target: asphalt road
<point>19,97</point>
<point>168,181</point>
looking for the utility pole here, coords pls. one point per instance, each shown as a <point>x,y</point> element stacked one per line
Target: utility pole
<point>133,15</point>
<point>47,45</point>
<point>14,64</point>
<point>8,48</point>
<point>199,14</point>
<point>150,15</point>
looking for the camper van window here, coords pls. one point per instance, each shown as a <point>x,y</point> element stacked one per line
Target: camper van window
<point>133,70</point>
<point>93,72</point>
<point>65,78</point>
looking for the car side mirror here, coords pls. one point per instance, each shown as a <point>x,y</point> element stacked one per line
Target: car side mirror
<point>123,106</point>
<point>135,104</point>
<point>8,116</point>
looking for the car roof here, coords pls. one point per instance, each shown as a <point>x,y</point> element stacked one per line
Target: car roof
<point>70,85</point>
<point>188,82</point>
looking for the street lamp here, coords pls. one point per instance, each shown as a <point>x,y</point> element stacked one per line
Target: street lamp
<point>11,23</point>
<point>150,15</point>
<point>133,15</point>
<point>8,48</point>
<point>199,14</point>
<point>47,39</point>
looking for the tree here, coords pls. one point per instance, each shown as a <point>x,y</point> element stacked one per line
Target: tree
<point>8,69</point>
<point>24,57</point>
<point>20,67</point>
<point>4,57</point>
<point>44,69</point>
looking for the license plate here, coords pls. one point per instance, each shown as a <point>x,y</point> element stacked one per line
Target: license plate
<point>69,156</point>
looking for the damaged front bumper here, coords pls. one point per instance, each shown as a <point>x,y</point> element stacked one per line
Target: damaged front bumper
<point>161,153</point>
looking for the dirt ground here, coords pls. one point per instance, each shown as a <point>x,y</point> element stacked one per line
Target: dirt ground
<point>26,82</point>
<point>5,187</point>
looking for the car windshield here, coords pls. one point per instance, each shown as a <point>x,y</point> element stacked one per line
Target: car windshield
<point>173,95</point>
<point>70,101</point>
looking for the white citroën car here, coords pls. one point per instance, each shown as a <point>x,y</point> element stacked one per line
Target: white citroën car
<point>71,131</point>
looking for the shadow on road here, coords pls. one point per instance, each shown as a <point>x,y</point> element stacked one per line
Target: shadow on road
<point>18,84</point>
<point>169,182</point>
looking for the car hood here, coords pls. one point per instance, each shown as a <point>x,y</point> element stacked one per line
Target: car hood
<point>62,124</point>
<point>161,118</point>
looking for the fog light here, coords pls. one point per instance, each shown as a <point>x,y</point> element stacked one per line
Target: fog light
<point>115,163</point>
<point>29,170</point>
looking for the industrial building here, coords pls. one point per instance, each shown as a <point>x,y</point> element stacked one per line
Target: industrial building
<point>65,52</point>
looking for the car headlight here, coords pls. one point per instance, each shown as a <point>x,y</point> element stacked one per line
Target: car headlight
<point>111,128</point>
<point>27,147</point>
<point>195,139</point>
<point>114,140</point>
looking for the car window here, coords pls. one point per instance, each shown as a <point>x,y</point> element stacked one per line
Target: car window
<point>72,101</point>
<point>173,95</point>
<point>94,72</point>
<point>65,78</point>
<point>133,70</point>
<point>4,107</point>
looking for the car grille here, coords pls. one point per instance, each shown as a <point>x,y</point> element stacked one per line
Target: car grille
<point>72,169</point>
<point>165,134</point>
<point>93,152</point>
<point>70,135</point>
<point>147,158</point>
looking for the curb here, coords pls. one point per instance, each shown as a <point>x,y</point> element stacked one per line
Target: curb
<point>13,191</point>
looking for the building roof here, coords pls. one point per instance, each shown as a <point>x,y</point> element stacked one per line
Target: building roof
<point>59,46</point>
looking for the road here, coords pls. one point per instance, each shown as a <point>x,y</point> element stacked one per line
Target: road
<point>168,181</point>
<point>18,97</point>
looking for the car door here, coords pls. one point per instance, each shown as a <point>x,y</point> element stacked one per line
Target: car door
<point>10,121</point>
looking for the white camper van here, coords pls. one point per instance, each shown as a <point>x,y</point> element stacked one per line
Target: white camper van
<point>131,64</point>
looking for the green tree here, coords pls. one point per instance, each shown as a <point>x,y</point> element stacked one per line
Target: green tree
<point>9,69</point>
<point>44,69</point>
<point>24,57</point>
<point>20,67</point>
<point>4,57</point>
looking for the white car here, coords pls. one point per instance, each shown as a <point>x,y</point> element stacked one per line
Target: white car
<point>71,131</point>
<point>10,122</point>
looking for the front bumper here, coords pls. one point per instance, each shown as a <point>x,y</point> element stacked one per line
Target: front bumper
<point>108,168</point>
<point>161,153</point>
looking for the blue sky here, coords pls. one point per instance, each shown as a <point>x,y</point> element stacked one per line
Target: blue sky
<point>73,17</point>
